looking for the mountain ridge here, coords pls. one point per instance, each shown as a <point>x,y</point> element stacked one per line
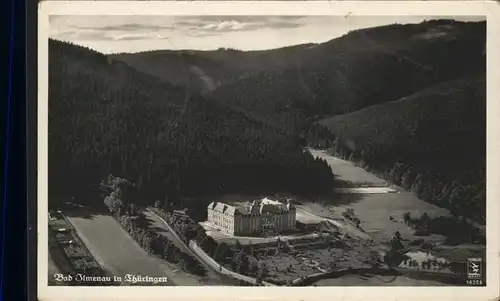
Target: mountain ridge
<point>432,142</point>
<point>105,118</point>
<point>240,63</point>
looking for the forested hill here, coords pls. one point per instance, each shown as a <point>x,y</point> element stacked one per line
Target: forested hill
<point>432,142</point>
<point>105,117</point>
<point>204,71</point>
<point>291,86</point>
<point>361,69</point>
<point>208,70</point>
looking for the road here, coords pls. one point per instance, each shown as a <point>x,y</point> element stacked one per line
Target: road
<point>157,225</point>
<point>211,273</point>
<point>117,252</point>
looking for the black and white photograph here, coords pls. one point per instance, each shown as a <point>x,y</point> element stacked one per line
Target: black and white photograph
<point>266,150</point>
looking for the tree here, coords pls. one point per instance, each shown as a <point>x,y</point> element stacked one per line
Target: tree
<point>407,218</point>
<point>262,271</point>
<point>425,218</point>
<point>238,245</point>
<point>427,246</point>
<point>114,201</point>
<point>157,204</point>
<point>393,258</point>
<point>375,259</point>
<point>243,263</point>
<point>168,205</point>
<point>396,244</point>
<point>424,222</point>
<point>407,178</point>
<point>131,210</point>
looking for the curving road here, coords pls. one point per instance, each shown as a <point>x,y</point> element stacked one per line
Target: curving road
<point>116,251</point>
<point>159,226</point>
<point>226,277</point>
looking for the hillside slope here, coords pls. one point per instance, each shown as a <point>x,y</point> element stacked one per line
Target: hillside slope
<point>191,68</point>
<point>105,117</point>
<point>361,69</point>
<point>432,142</point>
<point>290,86</point>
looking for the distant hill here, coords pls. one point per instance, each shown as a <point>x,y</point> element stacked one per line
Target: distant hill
<point>404,101</point>
<point>204,71</point>
<point>432,142</point>
<point>105,117</point>
<point>292,86</point>
<point>361,69</point>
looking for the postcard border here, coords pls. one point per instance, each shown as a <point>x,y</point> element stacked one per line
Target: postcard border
<point>490,9</point>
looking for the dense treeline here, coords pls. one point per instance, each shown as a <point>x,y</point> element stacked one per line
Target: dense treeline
<point>432,143</point>
<point>105,117</point>
<point>160,246</point>
<point>120,202</point>
<point>456,230</point>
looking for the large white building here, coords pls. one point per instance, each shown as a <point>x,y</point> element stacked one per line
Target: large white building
<point>259,216</point>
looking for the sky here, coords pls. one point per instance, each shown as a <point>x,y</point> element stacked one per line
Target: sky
<point>118,34</point>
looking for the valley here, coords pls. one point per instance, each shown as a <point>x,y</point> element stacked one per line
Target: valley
<point>376,138</point>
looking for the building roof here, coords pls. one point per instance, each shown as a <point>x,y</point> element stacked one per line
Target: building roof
<point>224,208</point>
<point>262,206</point>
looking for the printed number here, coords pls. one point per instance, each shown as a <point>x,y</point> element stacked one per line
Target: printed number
<point>475,282</point>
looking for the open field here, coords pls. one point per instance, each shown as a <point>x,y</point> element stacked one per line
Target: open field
<point>374,211</point>
<point>381,214</point>
<point>376,280</point>
<point>347,171</point>
<point>106,239</point>
<point>363,190</point>
<point>460,252</point>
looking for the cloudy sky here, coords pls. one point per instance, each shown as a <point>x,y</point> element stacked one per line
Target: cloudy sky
<point>112,34</point>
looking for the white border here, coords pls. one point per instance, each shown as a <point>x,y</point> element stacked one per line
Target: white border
<point>490,9</point>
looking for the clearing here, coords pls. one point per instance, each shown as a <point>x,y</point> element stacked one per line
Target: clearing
<point>347,171</point>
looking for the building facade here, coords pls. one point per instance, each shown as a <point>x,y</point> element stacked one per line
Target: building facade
<point>259,216</point>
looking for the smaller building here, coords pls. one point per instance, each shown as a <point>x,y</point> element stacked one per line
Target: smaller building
<point>255,217</point>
